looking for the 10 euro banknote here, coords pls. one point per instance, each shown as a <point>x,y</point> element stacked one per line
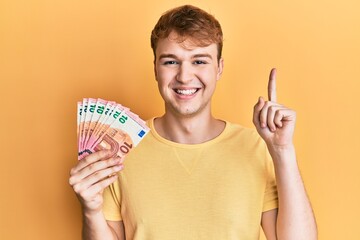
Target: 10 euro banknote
<point>103,124</point>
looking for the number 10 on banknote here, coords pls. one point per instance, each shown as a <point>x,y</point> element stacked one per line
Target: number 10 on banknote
<point>103,124</point>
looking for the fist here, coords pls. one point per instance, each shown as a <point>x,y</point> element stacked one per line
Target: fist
<point>274,122</point>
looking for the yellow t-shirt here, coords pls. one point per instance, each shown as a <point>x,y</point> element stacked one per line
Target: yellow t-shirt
<point>213,190</point>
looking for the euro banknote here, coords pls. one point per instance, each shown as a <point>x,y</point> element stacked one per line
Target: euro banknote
<point>103,124</point>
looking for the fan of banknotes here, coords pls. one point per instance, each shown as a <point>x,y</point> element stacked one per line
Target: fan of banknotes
<point>105,124</point>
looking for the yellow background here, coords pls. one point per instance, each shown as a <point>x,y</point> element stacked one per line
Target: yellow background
<point>54,53</point>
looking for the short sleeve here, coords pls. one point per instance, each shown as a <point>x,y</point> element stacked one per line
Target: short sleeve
<point>271,195</point>
<point>112,200</point>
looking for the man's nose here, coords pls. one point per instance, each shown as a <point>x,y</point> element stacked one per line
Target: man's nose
<point>185,73</point>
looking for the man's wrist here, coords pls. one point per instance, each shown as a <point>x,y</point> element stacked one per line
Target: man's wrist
<point>91,214</point>
<point>284,154</point>
<point>281,149</point>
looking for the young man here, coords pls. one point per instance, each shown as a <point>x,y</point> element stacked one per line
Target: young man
<point>195,176</point>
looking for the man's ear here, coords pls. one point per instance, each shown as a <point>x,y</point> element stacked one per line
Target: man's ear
<point>220,68</point>
<point>155,72</point>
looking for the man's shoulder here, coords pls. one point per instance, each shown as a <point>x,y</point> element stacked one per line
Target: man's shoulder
<point>239,133</point>
<point>240,129</point>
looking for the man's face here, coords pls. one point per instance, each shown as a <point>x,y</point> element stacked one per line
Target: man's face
<point>186,75</point>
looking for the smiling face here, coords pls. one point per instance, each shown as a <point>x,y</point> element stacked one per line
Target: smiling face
<point>186,75</point>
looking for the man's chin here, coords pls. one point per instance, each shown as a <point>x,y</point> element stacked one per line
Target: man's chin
<point>187,112</point>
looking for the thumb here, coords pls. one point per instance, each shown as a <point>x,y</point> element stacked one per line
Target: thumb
<point>257,110</point>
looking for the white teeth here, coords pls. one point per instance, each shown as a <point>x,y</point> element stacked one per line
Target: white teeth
<point>186,91</point>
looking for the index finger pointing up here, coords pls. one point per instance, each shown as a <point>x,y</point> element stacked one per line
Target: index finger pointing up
<point>272,85</point>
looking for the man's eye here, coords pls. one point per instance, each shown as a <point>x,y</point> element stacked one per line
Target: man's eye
<point>170,62</point>
<point>199,62</point>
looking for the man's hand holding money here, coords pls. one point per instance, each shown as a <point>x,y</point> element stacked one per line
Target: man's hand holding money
<point>92,175</point>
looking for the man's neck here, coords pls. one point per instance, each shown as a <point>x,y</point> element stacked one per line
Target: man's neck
<point>188,130</point>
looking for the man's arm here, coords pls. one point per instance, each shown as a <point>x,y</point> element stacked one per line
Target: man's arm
<point>294,218</point>
<point>118,227</point>
<point>275,124</point>
<point>89,178</point>
<point>95,227</point>
<point>268,223</point>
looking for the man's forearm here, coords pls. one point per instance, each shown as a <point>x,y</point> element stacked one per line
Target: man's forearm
<point>95,227</point>
<point>295,216</point>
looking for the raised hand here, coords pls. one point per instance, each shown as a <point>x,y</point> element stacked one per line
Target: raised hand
<point>274,122</point>
<point>91,176</point>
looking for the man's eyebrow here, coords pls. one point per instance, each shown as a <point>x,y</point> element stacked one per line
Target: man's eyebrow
<point>167,56</point>
<point>201,55</point>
